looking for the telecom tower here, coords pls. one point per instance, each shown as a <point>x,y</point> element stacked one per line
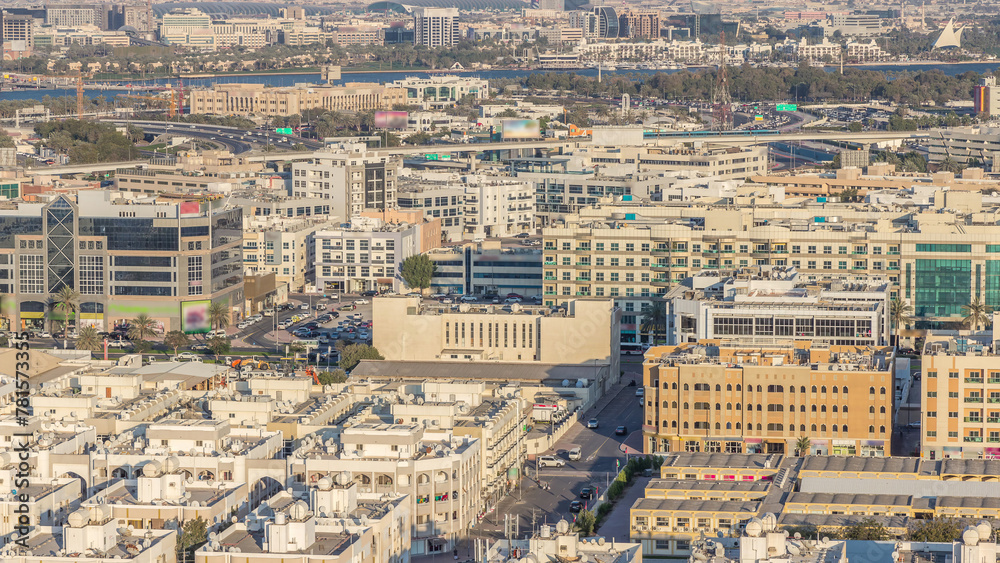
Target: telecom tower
<point>722,102</point>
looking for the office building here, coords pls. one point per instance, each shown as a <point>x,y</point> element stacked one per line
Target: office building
<point>986,97</point>
<point>18,30</point>
<point>350,178</point>
<point>938,264</point>
<point>124,257</point>
<point>639,24</point>
<point>735,398</point>
<point>257,99</point>
<point>440,91</point>
<point>587,22</point>
<point>367,255</point>
<point>487,269</point>
<point>607,22</point>
<point>960,396</point>
<point>767,306</point>
<point>435,27</point>
<point>584,333</point>
<point>863,25</point>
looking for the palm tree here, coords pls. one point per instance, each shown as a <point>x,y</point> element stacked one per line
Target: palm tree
<point>218,315</point>
<point>976,314</point>
<point>65,302</point>
<point>802,445</point>
<point>654,320</point>
<point>899,315</point>
<point>141,327</point>
<point>88,339</point>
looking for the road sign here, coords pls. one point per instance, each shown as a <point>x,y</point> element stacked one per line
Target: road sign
<point>787,107</point>
<point>758,118</point>
<point>283,130</point>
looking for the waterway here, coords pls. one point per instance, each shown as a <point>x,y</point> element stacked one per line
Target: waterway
<point>291,79</point>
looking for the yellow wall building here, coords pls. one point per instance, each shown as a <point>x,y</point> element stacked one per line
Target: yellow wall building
<point>250,99</point>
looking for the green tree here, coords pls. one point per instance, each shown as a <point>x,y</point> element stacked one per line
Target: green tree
<point>868,529</point>
<point>6,141</point>
<point>509,112</point>
<point>855,127</point>
<point>935,530</point>
<point>135,133</point>
<point>141,328</point>
<point>65,302</point>
<point>949,164</point>
<point>654,321</point>
<point>420,138</point>
<point>802,445</point>
<point>417,271</point>
<point>976,314</point>
<point>585,522</point>
<point>899,315</point>
<point>176,339</point>
<point>193,534</point>
<point>351,355</point>
<point>89,339</point>
<point>335,376</point>
<point>219,346</point>
<point>218,314</point>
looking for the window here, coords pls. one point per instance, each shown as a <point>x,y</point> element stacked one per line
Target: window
<point>194,275</point>
<point>91,275</point>
<point>32,273</point>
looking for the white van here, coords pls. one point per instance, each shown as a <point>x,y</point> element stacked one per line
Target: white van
<point>575,454</point>
<point>221,333</point>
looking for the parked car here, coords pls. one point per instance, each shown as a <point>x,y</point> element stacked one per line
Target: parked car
<point>621,430</point>
<point>592,423</point>
<point>369,293</point>
<point>468,298</point>
<point>188,356</point>
<point>361,301</point>
<point>640,392</point>
<point>522,235</point>
<point>550,461</point>
<point>320,307</point>
<point>42,334</point>
<point>242,325</point>
<point>512,300</point>
<point>349,307</point>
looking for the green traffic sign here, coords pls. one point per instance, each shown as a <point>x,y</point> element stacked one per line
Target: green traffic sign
<point>787,107</point>
<point>283,131</point>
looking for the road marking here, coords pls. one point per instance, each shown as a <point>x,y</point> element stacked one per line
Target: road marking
<point>593,456</point>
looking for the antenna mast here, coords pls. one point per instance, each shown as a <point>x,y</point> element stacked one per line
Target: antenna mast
<point>722,102</point>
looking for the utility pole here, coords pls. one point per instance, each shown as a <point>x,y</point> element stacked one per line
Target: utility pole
<point>722,101</point>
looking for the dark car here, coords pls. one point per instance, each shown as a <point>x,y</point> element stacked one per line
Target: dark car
<point>522,235</point>
<point>586,492</point>
<point>335,314</point>
<point>575,506</point>
<point>621,430</point>
<point>369,293</point>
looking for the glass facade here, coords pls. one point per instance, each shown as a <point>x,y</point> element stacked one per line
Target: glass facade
<point>944,248</point>
<point>125,233</point>
<point>942,287</point>
<point>143,261</point>
<point>993,284</point>
<point>61,250</point>
<point>10,227</point>
<point>227,227</point>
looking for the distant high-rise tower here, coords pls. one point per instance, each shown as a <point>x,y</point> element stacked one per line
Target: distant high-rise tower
<point>607,21</point>
<point>435,27</point>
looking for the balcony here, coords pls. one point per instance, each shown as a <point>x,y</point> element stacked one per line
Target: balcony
<point>993,380</point>
<point>893,253</point>
<point>973,419</point>
<point>551,278</point>
<point>973,379</point>
<point>993,420</point>
<point>551,293</point>
<point>993,439</point>
<point>551,263</point>
<point>973,399</point>
<point>660,267</point>
<point>993,400</point>
<point>893,268</point>
<point>973,439</point>
<point>660,282</point>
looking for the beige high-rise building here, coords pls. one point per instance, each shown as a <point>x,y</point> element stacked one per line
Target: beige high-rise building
<point>960,397</point>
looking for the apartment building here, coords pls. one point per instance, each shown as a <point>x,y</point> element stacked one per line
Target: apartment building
<point>728,397</point>
<point>345,35</point>
<point>937,260</point>
<point>487,268</point>
<point>960,396</point>
<point>368,255</point>
<point>765,306</point>
<point>258,99</point>
<point>284,247</point>
<point>470,206</point>
<point>438,471</point>
<point>17,28</point>
<point>351,178</point>
<point>123,256</point>
<point>435,27</point>
<point>639,23</point>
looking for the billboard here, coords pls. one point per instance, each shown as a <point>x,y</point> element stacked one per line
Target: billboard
<point>194,316</point>
<point>391,119</point>
<point>521,129</point>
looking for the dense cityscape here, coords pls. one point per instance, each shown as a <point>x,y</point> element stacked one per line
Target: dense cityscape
<point>481,281</point>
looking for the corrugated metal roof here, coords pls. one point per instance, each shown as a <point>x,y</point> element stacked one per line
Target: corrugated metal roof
<point>912,487</point>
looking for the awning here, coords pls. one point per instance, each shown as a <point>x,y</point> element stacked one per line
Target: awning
<point>752,440</point>
<point>384,281</point>
<point>437,542</point>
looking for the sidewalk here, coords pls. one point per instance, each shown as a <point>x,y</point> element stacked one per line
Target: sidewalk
<point>616,525</point>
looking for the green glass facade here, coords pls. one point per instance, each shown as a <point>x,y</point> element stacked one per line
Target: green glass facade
<point>944,248</point>
<point>993,283</point>
<point>942,287</point>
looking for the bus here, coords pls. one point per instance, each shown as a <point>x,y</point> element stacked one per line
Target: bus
<point>634,348</point>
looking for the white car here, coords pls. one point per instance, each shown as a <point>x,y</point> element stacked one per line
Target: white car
<point>360,301</point>
<point>304,306</point>
<point>268,312</point>
<point>242,325</point>
<point>42,334</point>
<point>188,356</point>
<point>512,300</point>
<point>550,461</point>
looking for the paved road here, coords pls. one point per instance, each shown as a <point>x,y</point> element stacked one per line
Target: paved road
<point>600,449</point>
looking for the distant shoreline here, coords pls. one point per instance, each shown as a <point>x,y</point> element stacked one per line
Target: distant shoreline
<point>919,63</point>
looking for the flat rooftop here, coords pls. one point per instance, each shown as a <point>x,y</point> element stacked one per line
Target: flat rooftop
<point>683,460</point>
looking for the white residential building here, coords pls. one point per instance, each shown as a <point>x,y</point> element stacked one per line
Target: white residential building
<point>351,177</point>
<point>435,27</point>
